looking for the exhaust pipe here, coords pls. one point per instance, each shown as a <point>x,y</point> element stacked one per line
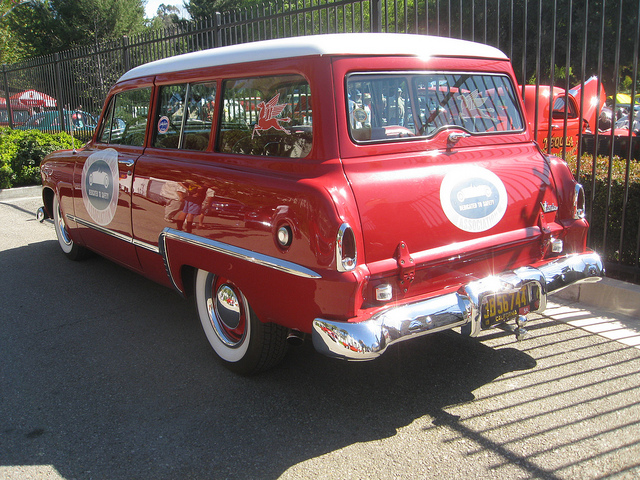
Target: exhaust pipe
<point>295,338</point>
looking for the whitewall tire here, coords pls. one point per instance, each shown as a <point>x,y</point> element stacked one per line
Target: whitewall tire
<point>243,343</point>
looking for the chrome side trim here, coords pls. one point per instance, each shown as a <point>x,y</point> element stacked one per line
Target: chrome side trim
<point>101,229</point>
<point>233,251</point>
<point>165,257</point>
<point>146,246</point>
<point>111,233</point>
<point>368,339</point>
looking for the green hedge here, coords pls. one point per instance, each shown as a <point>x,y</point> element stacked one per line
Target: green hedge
<point>21,152</point>
<point>604,192</point>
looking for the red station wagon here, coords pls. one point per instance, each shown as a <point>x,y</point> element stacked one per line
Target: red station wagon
<point>360,189</point>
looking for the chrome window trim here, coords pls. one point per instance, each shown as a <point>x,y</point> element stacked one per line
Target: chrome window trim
<point>514,90</point>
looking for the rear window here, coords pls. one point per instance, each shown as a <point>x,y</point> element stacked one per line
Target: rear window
<point>384,107</point>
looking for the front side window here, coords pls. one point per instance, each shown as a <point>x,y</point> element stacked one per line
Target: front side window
<point>559,108</point>
<point>185,116</point>
<point>269,116</point>
<point>390,106</point>
<point>126,118</point>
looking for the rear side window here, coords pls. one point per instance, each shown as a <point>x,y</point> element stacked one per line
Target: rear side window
<point>390,106</point>
<point>185,116</point>
<point>269,116</point>
<point>126,118</point>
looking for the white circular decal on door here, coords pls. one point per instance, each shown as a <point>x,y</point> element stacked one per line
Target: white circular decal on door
<point>100,183</point>
<point>473,198</point>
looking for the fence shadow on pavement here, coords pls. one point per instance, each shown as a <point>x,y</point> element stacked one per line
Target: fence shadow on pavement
<point>108,375</point>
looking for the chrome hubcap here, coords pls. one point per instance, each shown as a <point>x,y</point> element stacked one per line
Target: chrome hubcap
<point>227,309</point>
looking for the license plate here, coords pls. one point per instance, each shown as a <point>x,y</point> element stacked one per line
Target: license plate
<point>505,306</point>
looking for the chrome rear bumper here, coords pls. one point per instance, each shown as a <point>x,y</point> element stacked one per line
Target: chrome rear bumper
<point>369,339</point>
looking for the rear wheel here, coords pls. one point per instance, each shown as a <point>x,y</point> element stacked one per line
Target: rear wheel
<point>243,343</point>
<point>71,249</point>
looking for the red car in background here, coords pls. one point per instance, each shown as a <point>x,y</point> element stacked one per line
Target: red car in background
<point>563,136</point>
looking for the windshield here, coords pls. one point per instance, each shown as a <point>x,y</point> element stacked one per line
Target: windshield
<point>391,106</point>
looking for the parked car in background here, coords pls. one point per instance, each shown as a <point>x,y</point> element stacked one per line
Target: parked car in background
<point>49,121</point>
<point>620,135</point>
<point>563,136</point>
<point>622,109</point>
<point>20,114</point>
<point>623,122</point>
<point>420,205</point>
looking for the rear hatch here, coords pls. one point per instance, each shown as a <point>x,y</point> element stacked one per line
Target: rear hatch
<point>465,200</point>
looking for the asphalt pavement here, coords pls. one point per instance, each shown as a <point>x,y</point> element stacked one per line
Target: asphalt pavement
<point>107,375</point>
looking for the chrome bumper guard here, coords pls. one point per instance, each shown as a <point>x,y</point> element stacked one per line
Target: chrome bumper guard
<point>369,339</point>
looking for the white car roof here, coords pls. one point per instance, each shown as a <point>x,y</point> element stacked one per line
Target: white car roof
<point>330,44</point>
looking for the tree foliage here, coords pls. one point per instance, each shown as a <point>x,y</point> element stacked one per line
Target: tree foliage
<point>44,27</point>
<point>199,9</point>
<point>538,35</point>
<point>590,31</point>
<point>166,16</point>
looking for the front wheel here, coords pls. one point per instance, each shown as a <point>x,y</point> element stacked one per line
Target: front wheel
<point>243,343</point>
<point>71,249</point>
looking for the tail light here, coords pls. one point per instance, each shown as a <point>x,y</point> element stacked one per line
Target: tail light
<point>346,254</point>
<point>579,211</point>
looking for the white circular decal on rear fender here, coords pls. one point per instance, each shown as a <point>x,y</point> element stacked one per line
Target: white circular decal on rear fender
<point>100,183</point>
<point>473,198</point>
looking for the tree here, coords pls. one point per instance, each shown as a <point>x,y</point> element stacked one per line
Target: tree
<point>11,48</point>
<point>166,16</point>
<point>55,25</point>
<point>199,9</point>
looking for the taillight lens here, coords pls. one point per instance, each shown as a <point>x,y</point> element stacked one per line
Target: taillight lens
<point>346,253</point>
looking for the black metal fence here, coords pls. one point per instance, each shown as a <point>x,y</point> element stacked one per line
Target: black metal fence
<point>550,42</point>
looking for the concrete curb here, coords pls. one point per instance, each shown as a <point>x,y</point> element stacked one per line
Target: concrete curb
<point>20,192</point>
<point>610,295</point>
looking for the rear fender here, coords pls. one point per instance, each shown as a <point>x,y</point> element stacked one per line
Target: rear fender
<point>273,286</point>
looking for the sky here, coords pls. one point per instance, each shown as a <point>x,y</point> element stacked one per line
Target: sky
<point>152,7</point>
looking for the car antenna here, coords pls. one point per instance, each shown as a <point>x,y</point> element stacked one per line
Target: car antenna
<point>73,140</point>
